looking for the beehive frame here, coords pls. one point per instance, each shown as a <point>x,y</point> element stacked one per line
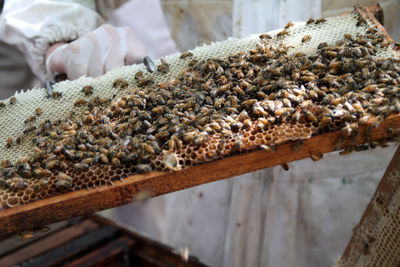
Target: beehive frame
<point>151,184</point>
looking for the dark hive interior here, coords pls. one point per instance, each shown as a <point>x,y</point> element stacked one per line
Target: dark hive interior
<point>218,107</point>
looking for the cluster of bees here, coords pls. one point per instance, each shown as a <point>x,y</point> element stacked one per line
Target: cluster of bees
<point>341,86</point>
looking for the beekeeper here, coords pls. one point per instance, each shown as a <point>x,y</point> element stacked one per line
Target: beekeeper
<point>303,217</point>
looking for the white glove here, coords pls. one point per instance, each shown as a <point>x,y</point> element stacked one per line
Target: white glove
<point>95,53</point>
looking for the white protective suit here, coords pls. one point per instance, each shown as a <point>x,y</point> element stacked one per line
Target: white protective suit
<point>27,28</point>
<point>303,217</point>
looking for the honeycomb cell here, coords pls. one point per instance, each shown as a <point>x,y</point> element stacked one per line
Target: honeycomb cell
<point>12,202</point>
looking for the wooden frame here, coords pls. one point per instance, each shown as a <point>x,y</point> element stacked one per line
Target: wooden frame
<point>84,202</point>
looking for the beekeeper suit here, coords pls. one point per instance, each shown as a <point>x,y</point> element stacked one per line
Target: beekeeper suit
<point>303,217</point>
<point>46,33</point>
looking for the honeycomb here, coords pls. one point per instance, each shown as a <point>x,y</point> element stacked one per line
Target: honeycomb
<point>257,98</point>
<point>376,237</point>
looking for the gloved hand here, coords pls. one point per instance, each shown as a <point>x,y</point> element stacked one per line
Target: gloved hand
<point>95,53</point>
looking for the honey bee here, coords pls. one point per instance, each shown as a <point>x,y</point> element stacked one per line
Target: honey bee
<point>289,24</point>
<point>38,111</point>
<point>121,83</point>
<point>372,30</point>
<point>346,151</point>
<point>164,67</point>
<point>87,90</point>
<point>80,102</point>
<point>313,94</point>
<point>63,176</point>
<point>16,183</point>
<point>159,110</point>
<point>40,172</point>
<point>146,81</point>
<point>6,163</point>
<point>175,143</point>
<point>348,36</point>
<point>316,157</point>
<point>88,119</point>
<point>8,172</point>
<point>30,119</point>
<point>282,34</point>
<point>9,142</point>
<point>383,143</point>
<point>372,88</point>
<point>56,94</point>
<point>306,38</point>
<point>287,103</point>
<point>285,166</point>
<point>89,161</point>
<point>148,148</point>
<point>52,164</point>
<point>186,54</point>
<point>81,166</point>
<point>63,181</point>
<point>265,36</point>
<point>192,62</point>
<point>321,20</point>
<point>259,111</point>
<point>360,21</point>
<point>310,116</point>
<point>200,138</point>
<point>325,120</point>
<point>13,100</point>
<point>322,45</point>
<point>139,75</point>
<point>310,20</point>
<point>103,158</point>
<point>248,103</point>
<point>19,140</point>
<point>296,116</point>
<point>141,168</point>
<point>116,162</point>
